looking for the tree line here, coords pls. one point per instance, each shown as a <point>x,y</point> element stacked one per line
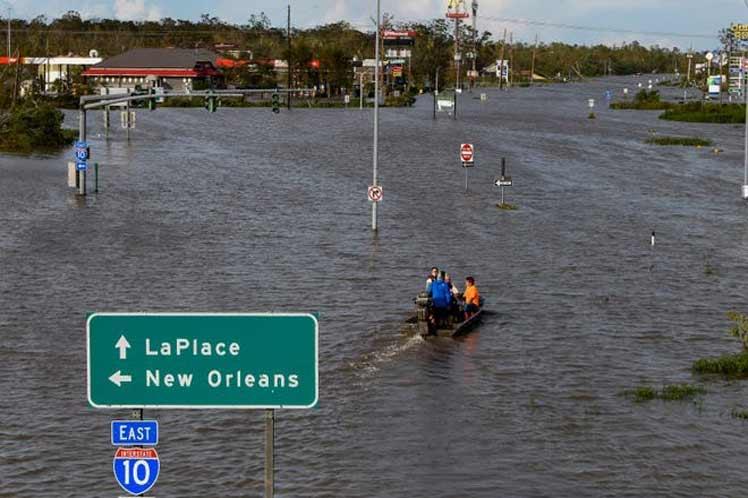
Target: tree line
<point>323,54</point>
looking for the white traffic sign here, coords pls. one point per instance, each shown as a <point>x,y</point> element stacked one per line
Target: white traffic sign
<point>467,153</point>
<point>375,193</point>
<point>504,181</point>
<point>709,56</point>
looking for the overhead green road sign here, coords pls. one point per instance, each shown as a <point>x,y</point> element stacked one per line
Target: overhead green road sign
<point>208,360</point>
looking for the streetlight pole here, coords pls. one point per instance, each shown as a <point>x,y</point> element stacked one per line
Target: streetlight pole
<point>376,118</point>
<point>745,152</point>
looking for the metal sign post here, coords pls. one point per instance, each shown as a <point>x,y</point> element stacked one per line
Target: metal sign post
<point>745,152</point>
<point>467,156</point>
<point>198,360</point>
<point>375,159</point>
<point>269,453</point>
<point>503,180</point>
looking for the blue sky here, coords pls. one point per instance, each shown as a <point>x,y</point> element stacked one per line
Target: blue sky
<point>693,17</point>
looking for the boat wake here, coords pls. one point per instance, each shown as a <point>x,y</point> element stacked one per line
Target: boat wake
<point>372,362</point>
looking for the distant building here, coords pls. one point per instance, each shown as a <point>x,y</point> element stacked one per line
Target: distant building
<point>57,73</point>
<point>169,68</point>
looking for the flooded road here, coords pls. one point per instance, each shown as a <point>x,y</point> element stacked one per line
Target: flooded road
<point>243,210</point>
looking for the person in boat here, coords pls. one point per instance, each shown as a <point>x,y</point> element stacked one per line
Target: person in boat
<point>432,277</point>
<point>441,299</point>
<point>454,305</point>
<point>472,298</point>
<point>452,287</point>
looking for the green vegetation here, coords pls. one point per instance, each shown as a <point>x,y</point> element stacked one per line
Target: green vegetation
<point>693,142</point>
<point>333,45</point>
<point>300,102</point>
<point>31,128</point>
<point>644,101</point>
<point>672,392</point>
<point>693,112</point>
<point>591,116</point>
<point>732,366</point>
<point>698,112</point>
<point>740,327</point>
<point>740,414</point>
<point>507,207</point>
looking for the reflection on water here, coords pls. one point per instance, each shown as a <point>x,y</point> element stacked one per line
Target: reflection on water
<point>243,210</point>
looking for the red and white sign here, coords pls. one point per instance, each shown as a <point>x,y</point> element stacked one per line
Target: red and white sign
<point>466,153</point>
<point>457,15</point>
<point>375,193</point>
<point>394,35</point>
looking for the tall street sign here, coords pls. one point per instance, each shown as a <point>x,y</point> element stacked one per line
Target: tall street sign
<point>202,360</point>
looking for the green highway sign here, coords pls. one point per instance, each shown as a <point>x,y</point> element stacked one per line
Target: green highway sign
<point>202,360</point>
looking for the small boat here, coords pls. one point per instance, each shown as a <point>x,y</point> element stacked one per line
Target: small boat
<point>452,325</point>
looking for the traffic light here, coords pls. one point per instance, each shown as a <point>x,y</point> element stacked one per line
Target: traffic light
<point>211,103</point>
<point>276,103</point>
<point>152,100</point>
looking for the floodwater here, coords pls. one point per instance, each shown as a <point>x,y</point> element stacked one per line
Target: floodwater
<point>243,210</point>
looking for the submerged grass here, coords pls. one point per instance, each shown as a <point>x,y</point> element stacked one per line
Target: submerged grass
<point>741,414</point>
<point>733,366</point>
<point>686,141</point>
<point>671,392</point>
<point>507,207</point>
<point>698,112</point>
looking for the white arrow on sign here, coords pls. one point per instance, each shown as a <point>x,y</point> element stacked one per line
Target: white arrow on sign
<point>123,346</point>
<point>117,378</point>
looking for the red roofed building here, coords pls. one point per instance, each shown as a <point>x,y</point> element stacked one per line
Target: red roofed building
<point>169,68</point>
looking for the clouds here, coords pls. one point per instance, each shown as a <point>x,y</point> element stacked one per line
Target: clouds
<point>136,10</point>
<point>494,15</point>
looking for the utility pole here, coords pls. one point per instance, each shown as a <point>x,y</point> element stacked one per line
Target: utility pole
<point>532,67</point>
<point>458,56</point>
<point>475,39</point>
<point>436,90</point>
<point>501,61</point>
<point>376,118</point>
<point>288,94</point>
<point>510,70</point>
<point>688,73</point>
<point>745,152</point>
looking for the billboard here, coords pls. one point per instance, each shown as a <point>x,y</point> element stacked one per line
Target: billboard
<point>740,31</point>
<point>456,9</point>
<point>715,85</point>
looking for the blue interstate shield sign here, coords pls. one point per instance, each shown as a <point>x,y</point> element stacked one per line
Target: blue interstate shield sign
<point>134,432</point>
<point>136,469</point>
<point>81,151</point>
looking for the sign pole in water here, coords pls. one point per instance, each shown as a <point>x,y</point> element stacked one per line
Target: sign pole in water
<point>376,119</point>
<point>503,180</point>
<point>745,152</point>
<point>192,360</point>
<point>467,156</point>
<point>81,168</point>
<point>269,453</point>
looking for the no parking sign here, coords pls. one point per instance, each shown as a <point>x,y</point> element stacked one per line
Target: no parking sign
<point>136,469</point>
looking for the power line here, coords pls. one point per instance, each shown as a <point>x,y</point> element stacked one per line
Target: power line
<point>529,22</point>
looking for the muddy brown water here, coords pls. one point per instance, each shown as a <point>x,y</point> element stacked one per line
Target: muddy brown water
<point>243,210</point>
